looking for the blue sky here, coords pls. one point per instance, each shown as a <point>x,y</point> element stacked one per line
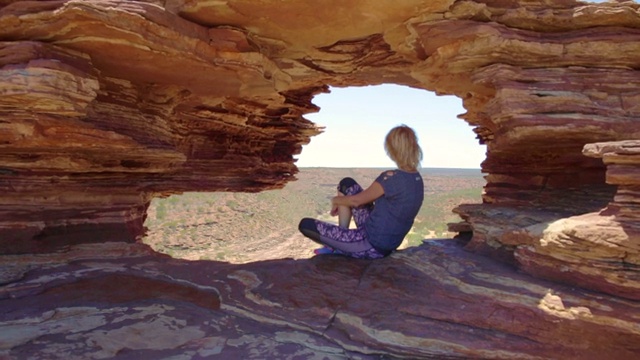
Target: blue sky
<point>356,120</point>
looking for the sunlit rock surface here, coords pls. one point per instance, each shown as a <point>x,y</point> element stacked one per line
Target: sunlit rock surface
<point>433,301</point>
<point>598,250</point>
<point>107,104</point>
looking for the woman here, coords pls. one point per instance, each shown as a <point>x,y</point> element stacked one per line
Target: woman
<point>383,213</point>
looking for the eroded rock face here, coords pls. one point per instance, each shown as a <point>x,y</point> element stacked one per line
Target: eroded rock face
<point>107,104</point>
<point>595,250</point>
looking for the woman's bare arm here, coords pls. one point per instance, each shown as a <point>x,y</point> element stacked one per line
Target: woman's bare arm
<point>366,196</point>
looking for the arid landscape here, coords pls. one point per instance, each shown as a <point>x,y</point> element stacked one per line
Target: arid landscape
<point>246,227</point>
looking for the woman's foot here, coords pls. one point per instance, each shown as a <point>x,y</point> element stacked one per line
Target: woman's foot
<point>324,250</point>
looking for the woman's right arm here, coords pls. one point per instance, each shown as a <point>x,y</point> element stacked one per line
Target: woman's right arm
<point>369,195</point>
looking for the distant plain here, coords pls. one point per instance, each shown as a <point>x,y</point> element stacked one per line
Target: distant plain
<point>247,227</point>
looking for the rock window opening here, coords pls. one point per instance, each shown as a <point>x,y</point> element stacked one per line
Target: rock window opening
<point>246,227</point>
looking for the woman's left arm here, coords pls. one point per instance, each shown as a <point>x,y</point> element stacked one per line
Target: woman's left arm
<point>369,195</point>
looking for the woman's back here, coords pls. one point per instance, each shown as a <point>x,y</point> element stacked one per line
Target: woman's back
<point>395,211</point>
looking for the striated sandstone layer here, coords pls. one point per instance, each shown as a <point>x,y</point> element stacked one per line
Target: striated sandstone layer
<point>571,250</point>
<point>106,104</point>
<point>435,301</point>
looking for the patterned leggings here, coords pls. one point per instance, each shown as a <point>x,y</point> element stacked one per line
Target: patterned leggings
<point>350,242</point>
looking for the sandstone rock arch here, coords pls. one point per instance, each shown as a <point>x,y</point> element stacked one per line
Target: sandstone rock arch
<point>107,104</point>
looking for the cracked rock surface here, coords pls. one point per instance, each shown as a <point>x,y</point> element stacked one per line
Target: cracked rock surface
<point>431,301</point>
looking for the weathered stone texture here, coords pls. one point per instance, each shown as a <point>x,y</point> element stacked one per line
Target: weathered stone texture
<point>106,104</point>
<point>101,99</point>
<point>435,301</point>
<point>597,250</point>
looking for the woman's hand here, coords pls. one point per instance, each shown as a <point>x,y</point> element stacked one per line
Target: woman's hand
<point>334,210</point>
<point>334,206</point>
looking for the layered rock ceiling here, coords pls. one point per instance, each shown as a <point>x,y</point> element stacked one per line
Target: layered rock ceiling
<point>107,104</point>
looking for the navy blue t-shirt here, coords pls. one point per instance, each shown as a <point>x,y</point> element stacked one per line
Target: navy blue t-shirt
<point>394,212</point>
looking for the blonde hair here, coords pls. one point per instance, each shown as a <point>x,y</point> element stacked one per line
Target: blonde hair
<point>401,144</point>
